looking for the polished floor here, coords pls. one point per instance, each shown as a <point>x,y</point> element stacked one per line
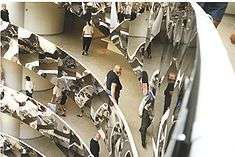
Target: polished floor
<point>99,62</point>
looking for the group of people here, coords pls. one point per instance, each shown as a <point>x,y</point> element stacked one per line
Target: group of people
<point>114,86</point>
<point>146,107</point>
<point>130,12</point>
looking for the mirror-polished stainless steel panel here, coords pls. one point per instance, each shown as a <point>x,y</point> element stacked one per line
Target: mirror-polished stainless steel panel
<point>11,146</point>
<point>65,72</point>
<point>42,119</point>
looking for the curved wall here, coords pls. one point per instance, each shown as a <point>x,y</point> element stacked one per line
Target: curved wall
<point>231,8</point>
<point>16,13</point>
<point>39,82</point>
<point>44,18</point>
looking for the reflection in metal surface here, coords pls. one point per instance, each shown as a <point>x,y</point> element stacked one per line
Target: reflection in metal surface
<point>164,45</point>
<point>97,12</point>
<point>61,69</point>
<point>42,119</point>
<point>10,146</point>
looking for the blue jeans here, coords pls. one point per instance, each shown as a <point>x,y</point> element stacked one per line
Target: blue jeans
<point>215,9</point>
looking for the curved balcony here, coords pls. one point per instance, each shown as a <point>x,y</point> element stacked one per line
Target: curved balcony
<point>172,44</point>
<point>168,32</point>
<point>61,69</point>
<point>11,146</point>
<point>42,119</point>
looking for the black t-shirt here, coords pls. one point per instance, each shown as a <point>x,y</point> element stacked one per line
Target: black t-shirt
<point>112,77</point>
<point>94,147</point>
<point>64,98</point>
<point>169,88</point>
<point>120,17</point>
<point>5,15</point>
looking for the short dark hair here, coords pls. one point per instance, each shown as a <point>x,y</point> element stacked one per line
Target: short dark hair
<point>27,78</point>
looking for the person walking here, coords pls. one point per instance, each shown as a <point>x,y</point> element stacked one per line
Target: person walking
<point>146,114</point>
<point>87,34</point>
<point>113,84</point>
<point>63,102</point>
<point>29,87</point>
<point>94,145</point>
<point>144,82</point>
<point>57,99</point>
<point>4,13</point>
<point>169,91</point>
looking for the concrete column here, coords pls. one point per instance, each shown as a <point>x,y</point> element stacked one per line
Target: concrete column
<point>44,18</point>
<point>13,78</point>
<point>13,74</point>
<point>16,13</point>
<point>10,125</point>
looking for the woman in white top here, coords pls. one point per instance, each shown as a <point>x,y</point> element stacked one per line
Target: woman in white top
<point>29,86</point>
<point>87,37</point>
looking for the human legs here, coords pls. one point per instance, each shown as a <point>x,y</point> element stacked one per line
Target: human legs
<point>29,94</point>
<point>88,43</point>
<point>145,123</point>
<point>84,45</point>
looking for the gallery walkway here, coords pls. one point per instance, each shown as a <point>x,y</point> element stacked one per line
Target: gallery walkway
<point>99,62</point>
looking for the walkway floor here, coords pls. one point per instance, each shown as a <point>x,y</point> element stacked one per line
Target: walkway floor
<point>100,61</point>
<point>83,126</point>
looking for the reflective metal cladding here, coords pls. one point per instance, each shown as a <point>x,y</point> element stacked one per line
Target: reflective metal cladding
<point>158,40</point>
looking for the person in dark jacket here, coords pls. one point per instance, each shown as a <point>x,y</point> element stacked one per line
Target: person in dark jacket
<point>94,145</point>
<point>146,113</point>
<point>169,91</point>
<point>113,84</point>
<point>121,16</point>
<point>144,82</point>
<point>63,102</point>
<point>4,13</point>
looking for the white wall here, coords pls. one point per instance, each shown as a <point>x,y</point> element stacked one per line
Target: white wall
<point>44,18</point>
<point>10,125</point>
<point>13,74</point>
<point>231,8</point>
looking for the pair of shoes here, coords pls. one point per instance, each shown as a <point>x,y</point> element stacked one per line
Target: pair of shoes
<point>62,114</point>
<point>144,145</point>
<point>79,115</point>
